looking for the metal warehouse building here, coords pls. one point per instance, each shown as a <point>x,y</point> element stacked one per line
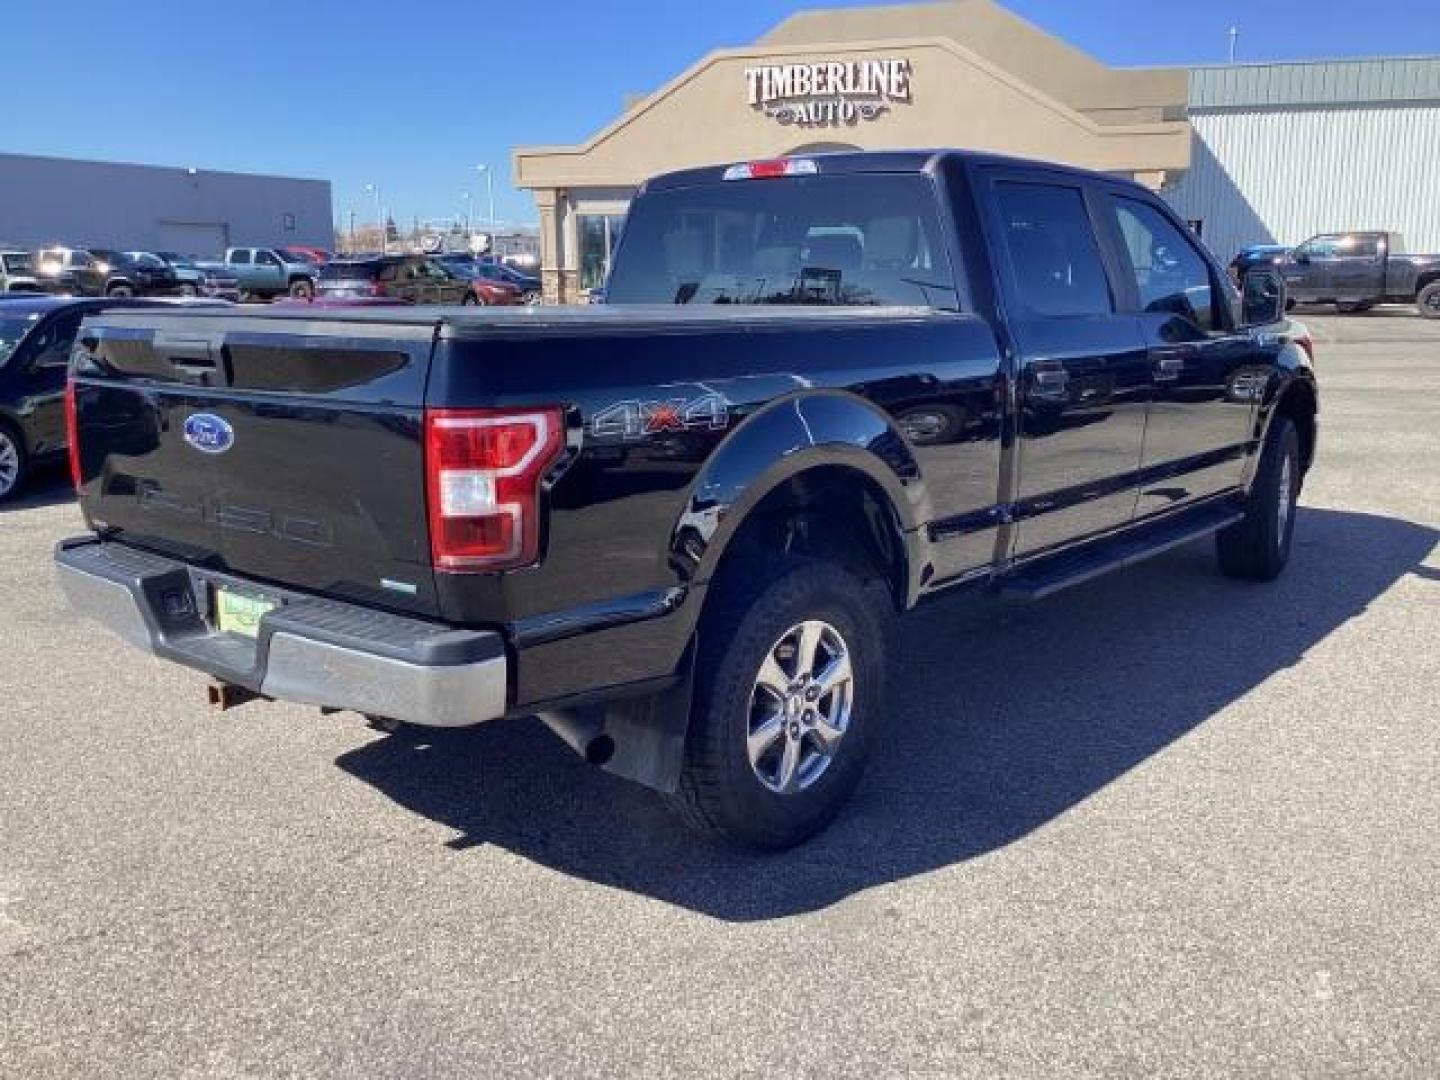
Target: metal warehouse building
<point>145,207</point>
<point>1280,152</point>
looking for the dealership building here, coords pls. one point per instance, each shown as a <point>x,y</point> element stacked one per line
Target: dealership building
<point>47,200</point>
<point>1248,154</point>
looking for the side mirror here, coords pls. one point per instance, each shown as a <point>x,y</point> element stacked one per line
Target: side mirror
<point>1302,257</point>
<point>1263,297</point>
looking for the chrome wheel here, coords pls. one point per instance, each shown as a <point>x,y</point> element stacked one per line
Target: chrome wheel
<point>9,464</point>
<point>1286,502</point>
<point>800,707</point>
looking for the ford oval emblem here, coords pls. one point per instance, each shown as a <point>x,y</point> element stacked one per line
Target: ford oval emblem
<point>209,433</point>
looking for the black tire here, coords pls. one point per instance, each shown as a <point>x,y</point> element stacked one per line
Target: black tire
<point>1428,300</point>
<point>720,793</point>
<point>14,462</point>
<point>471,298</point>
<point>302,289</point>
<point>1258,547</point>
<point>189,290</point>
<point>117,292</point>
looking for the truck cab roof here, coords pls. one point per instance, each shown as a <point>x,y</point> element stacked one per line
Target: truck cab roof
<point>877,161</point>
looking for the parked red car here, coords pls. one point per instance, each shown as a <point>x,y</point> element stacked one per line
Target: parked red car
<point>316,255</point>
<point>501,293</point>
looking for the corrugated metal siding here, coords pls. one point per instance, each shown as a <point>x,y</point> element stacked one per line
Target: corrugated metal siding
<point>1281,175</point>
<point>1330,82</point>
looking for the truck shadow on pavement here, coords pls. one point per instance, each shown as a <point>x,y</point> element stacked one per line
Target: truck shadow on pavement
<point>1001,718</point>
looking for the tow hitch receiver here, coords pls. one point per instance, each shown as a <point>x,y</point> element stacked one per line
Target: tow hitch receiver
<point>224,695</point>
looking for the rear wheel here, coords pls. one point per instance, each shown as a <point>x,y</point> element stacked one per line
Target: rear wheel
<point>1429,300</point>
<point>302,289</point>
<point>120,291</point>
<point>471,298</point>
<point>189,289</point>
<point>12,463</point>
<point>788,694</point>
<point>1258,546</point>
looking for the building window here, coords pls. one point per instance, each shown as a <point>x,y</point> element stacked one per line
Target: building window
<point>599,233</point>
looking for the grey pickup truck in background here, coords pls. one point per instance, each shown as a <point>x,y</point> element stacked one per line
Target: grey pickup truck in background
<point>1357,270</point>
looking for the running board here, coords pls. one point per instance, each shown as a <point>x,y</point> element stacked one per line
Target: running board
<point>1049,576</point>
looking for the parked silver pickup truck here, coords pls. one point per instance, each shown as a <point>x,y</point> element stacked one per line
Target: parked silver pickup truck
<point>263,273</point>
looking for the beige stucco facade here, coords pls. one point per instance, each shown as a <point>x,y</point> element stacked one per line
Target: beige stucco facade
<point>962,73</point>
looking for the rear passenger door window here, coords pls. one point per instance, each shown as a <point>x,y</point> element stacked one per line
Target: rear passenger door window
<point>1054,256</point>
<point>1170,276</point>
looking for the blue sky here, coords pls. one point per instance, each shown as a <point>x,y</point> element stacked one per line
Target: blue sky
<point>413,96</point>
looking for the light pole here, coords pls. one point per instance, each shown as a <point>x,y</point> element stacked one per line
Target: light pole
<point>352,232</point>
<point>490,195</point>
<point>465,198</point>
<point>374,189</point>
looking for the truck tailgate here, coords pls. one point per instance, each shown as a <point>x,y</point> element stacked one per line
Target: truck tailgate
<point>280,449</point>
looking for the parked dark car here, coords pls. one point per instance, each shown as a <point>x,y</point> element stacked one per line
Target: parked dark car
<point>37,333</point>
<point>197,280</point>
<point>1254,257</point>
<point>1357,270</point>
<point>677,527</point>
<point>416,279</point>
<point>137,273</point>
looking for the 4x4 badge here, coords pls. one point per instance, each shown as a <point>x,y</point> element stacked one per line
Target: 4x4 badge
<point>637,419</point>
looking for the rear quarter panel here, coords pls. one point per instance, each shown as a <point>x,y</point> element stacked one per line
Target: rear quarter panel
<point>685,428</point>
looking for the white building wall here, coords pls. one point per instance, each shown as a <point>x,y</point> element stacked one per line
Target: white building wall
<point>1282,174</point>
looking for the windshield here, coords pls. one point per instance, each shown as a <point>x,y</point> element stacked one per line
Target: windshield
<point>13,329</point>
<point>18,263</point>
<point>827,240</point>
<point>339,271</point>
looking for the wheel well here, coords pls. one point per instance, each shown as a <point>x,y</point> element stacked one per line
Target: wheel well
<point>1299,405</point>
<point>829,512</point>
<point>1426,279</point>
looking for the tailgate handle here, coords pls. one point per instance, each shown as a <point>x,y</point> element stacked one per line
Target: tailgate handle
<point>188,356</point>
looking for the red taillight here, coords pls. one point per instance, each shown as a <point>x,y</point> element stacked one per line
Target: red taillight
<point>483,470</point>
<point>72,433</point>
<point>377,289</point>
<point>767,170</point>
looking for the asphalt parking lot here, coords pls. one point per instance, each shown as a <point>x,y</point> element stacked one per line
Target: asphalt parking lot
<point>1164,824</point>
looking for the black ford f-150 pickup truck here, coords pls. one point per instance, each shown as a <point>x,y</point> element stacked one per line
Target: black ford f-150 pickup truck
<point>675,527</point>
<point>1357,270</point>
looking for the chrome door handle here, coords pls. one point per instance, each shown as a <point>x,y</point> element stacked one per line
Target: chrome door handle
<point>1168,368</point>
<point>1050,384</point>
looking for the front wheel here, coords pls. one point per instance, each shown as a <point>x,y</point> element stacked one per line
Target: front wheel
<point>189,290</point>
<point>12,463</point>
<point>471,298</point>
<point>789,683</point>
<point>1258,546</point>
<point>119,292</point>
<point>1429,300</point>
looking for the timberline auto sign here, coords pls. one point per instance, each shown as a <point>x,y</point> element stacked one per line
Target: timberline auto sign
<point>828,94</point>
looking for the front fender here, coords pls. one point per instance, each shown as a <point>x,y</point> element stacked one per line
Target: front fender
<point>787,437</point>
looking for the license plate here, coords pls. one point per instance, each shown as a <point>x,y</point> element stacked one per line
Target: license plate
<point>237,613</point>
